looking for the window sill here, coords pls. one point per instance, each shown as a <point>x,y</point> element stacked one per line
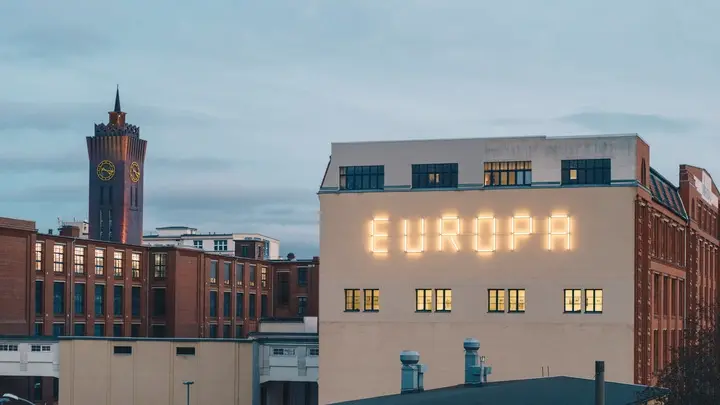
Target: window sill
<point>516,312</point>
<point>496,312</point>
<point>352,310</point>
<point>446,311</point>
<point>593,312</point>
<point>572,312</point>
<point>423,311</point>
<point>371,310</point>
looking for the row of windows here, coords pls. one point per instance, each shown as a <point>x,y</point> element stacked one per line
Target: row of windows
<point>239,300</point>
<point>79,260</point>
<point>498,300</point>
<point>79,299</point>
<point>239,274</point>
<point>496,174</point>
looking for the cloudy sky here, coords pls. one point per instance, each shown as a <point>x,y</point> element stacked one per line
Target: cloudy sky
<point>239,100</point>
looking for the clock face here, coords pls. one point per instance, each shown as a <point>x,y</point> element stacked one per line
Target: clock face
<point>106,170</point>
<point>134,172</point>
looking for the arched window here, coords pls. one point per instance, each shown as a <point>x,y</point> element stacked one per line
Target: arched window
<point>643,174</point>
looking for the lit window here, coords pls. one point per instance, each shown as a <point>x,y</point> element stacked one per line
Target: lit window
<point>59,258</point>
<point>160,266</point>
<point>99,262</point>
<point>38,256</point>
<point>516,300</point>
<point>372,300</point>
<point>263,277</point>
<point>213,271</point>
<point>499,174</point>
<point>79,260</point>
<point>352,300</point>
<point>443,300</point>
<point>135,265</point>
<point>118,263</point>
<point>593,301</point>
<point>423,299</point>
<point>496,300</point>
<point>573,300</point>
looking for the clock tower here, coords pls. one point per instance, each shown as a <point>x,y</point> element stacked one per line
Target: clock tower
<point>117,157</point>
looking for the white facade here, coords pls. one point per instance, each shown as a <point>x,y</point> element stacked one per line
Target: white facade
<point>222,243</point>
<point>27,358</point>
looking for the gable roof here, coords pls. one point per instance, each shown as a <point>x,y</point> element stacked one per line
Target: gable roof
<point>665,193</point>
<point>537,391</point>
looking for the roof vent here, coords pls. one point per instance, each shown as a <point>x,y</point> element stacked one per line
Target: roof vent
<point>476,371</point>
<point>412,373</point>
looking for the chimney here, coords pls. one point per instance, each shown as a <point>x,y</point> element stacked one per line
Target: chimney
<point>411,373</point>
<point>70,230</point>
<point>599,383</point>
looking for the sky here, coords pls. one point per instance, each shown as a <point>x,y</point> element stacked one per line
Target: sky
<point>240,100</point>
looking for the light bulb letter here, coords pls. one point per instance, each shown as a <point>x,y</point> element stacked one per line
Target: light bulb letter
<point>520,226</point>
<point>559,232</point>
<point>379,235</point>
<point>420,245</point>
<point>449,228</point>
<point>486,226</point>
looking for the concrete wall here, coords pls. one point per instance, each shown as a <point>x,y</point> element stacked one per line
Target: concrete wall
<point>360,349</point>
<point>90,373</point>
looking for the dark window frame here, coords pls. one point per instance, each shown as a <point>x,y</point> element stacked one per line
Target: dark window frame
<point>516,173</point>
<point>355,178</point>
<point>302,276</point>
<point>592,304</point>
<point>302,305</point>
<point>586,171</point>
<point>355,299</point>
<point>516,308</point>
<point>498,292</point>
<point>369,305</point>
<point>118,300</point>
<point>159,266</point>
<point>59,298</point>
<point>99,306</point>
<point>572,304</point>
<point>227,304</point>
<point>441,305</point>
<point>213,304</point>
<point>435,175</point>
<point>79,298</point>
<point>422,294</point>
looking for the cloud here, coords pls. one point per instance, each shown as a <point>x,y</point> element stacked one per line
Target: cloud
<point>616,122</point>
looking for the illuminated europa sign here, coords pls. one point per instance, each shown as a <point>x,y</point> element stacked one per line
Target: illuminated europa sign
<point>479,234</point>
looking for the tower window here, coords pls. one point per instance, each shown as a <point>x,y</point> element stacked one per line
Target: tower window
<point>102,195</point>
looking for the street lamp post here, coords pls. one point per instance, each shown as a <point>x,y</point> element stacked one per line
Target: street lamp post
<point>8,397</point>
<point>187,385</point>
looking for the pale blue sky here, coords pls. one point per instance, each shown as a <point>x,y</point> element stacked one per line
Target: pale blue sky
<point>239,100</point>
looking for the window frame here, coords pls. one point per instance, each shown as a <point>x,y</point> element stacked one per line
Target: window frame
<point>79,259</point>
<point>99,262</point>
<point>572,304</point>
<point>370,177</point>
<point>499,293</point>
<point>118,263</point>
<point>493,173</point>
<point>517,309</point>
<point>58,258</point>
<point>422,293</point>
<point>355,297</point>
<point>372,304</point>
<point>160,266</point>
<point>594,304</point>
<point>579,168</point>
<point>135,264</point>
<point>433,175</point>
<point>442,305</point>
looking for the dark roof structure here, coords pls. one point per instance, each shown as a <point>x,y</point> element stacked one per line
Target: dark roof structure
<point>537,391</point>
<point>665,193</point>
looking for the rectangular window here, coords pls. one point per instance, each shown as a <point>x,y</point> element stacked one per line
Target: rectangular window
<point>253,275</point>
<point>362,177</point>
<point>220,245</point>
<point>122,349</point>
<point>99,262</point>
<point>585,171</point>
<point>239,305</point>
<point>185,351</point>
<point>263,306</point>
<point>39,297</point>
<point>79,329</point>
<point>59,258</point>
<point>239,274</point>
<point>302,276</point>
<point>227,273</point>
<point>227,330</point>
<point>58,298</point>
<point>657,298</point>
<point>99,329</point>
<point>39,329</point>
<point>213,271</point>
<point>58,329</point>
<point>135,330</point>
<point>251,306</point>
<point>499,174</point>
<point>38,256</point>
<point>573,300</point>
<point>443,300</point>
<point>423,300</point>
<point>117,330</point>
<point>496,300</point>
<point>372,300</point>
<point>158,301</point>
<point>352,300</point>
<point>263,277</point>
<point>302,306</point>
<point>198,244</point>
<point>159,266</point>
<point>158,331</point>
<point>284,287</point>
<point>135,264</point>
<point>79,298</point>
<point>118,263</point>
<point>213,303</point>
<point>238,331</point>
<point>135,301</point>
<point>118,301</point>
<point>79,260</point>
<point>656,351</point>
<point>594,301</point>
<point>213,330</point>
<point>227,304</point>
<point>435,175</point>
<point>516,300</point>
<point>99,299</point>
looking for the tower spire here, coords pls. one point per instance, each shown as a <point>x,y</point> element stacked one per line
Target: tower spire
<point>117,116</point>
<point>117,100</point>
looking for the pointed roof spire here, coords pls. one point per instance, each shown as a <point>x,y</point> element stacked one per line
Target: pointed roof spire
<point>117,100</point>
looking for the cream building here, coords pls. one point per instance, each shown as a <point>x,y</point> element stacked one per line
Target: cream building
<point>525,243</point>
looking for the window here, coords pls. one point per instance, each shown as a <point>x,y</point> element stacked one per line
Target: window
<point>122,349</point>
<point>263,305</point>
<point>251,306</point>
<point>238,331</point>
<point>185,351</point>
<point>160,266</point>
<point>302,306</point>
<point>158,301</point>
<point>38,256</point>
<point>516,300</point>
<point>118,301</point>
<point>135,301</point>
<point>594,301</point>
<point>79,329</point>
<point>99,262</point>
<point>39,297</point>
<point>498,174</point>
<point>99,329</point>
<point>302,276</point>
<point>79,260</point>
<point>443,300</point>
<point>213,303</point>
<point>58,329</point>
<point>117,329</point>
<point>239,274</point>
<point>99,299</point>
<point>59,258</point>
<point>372,300</point>
<point>281,351</point>
<point>314,351</point>
<point>79,298</point>
<point>227,303</point>
<point>573,300</point>
<point>39,329</point>
<point>227,331</point>
<point>263,277</point>
<point>213,331</point>
<point>118,263</point>
<point>284,287</point>
<point>58,298</point>
<point>244,251</point>
<point>496,300</point>
<point>158,330</point>
<point>352,300</point>
<point>436,175</point>
<point>227,273</point>
<point>135,264</point>
<point>37,389</point>
<point>239,305</point>
<point>213,271</point>
<point>198,244</point>
<point>253,275</point>
<point>362,177</point>
<point>585,171</point>
<point>423,300</point>
<point>220,245</point>
<point>8,348</point>
<point>656,351</point>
